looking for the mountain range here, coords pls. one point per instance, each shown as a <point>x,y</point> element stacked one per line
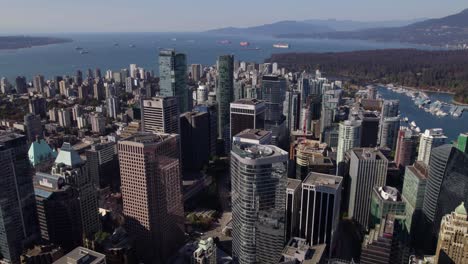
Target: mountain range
<point>449,31</point>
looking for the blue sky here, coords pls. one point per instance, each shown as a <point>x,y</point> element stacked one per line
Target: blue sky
<point>38,16</point>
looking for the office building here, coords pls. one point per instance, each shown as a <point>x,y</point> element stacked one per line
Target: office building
<point>430,139</point>
<point>152,194</point>
<point>349,136</point>
<point>370,128</point>
<point>448,171</point>
<point>320,209</point>
<point>202,94</point>
<point>453,236</point>
<point>310,156</point>
<point>98,90</point>
<point>206,252</point>
<point>462,142</point>
<point>33,127</point>
<point>98,123</point>
<point>388,132</point>
<point>113,107</point>
<point>414,188</point>
<point>298,251</point>
<point>73,170</point>
<point>292,109</point>
<point>253,136</point>
<point>82,255</point>
<point>64,117</point>
<point>246,114</point>
<point>385,200</point>
<point>103,165</point>
<point>21,85</point>
<point>196,71</point>
<point>58,209</point>
<point>330,101</point>
<point>367,169</point>
<point>377,245</point>
<point>173,77</point>
<point>269,235</point>
<point>40,152</point>
<point>38,106</point>
<point>161,115</point>
<point>389,108</point>
<point>212,111</point>
<point>225,95</point>
<point>18,217</point>
<point>194,128</point>
<point>405,153</point>
<point>39,83</point>
<point>258,184</point>
<point>293,203</point>
<point>273,93</point>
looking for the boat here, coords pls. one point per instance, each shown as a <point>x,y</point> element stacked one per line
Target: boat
<point>281,45</point>
<point>244,43</point>
<point>413,124</point>
<point>256,48</point>
<point>224,42</point>
<point>131,45</point>
<point>417,129</point>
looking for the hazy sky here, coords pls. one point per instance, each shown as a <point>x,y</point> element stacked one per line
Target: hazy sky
<point>39,16</point>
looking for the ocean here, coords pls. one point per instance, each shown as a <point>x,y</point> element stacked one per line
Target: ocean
<point>64,59</point>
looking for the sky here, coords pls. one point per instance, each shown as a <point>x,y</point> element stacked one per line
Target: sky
<point>66,16</point>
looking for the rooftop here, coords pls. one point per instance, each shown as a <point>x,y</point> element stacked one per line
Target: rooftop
<point>321,179</point>
<point>81,255</point>
<point>368,154</point>
<point>68,156</point>
<point>388,193</point>
<point>299,251</point>
<point>293,184</point>
<point>248,101</point>
<point>253,133</point>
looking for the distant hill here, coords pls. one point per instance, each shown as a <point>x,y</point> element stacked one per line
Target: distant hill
<point>278,28</point>
<point>447,31</point>
<point>351,25</point>
<point>19,42</point>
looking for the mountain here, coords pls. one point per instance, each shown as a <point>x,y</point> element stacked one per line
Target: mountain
<point>278,28</point>
<point>449,31</point>
<point>350,25</point>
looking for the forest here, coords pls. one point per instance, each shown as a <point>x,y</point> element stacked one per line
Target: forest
<point>436,70</point>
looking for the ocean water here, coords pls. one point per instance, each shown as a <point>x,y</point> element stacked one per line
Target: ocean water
<point>452,126</point>
<point>61,59</point>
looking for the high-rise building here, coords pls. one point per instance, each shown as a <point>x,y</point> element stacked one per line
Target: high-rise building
<point>453,236</point>
<point>370,128</point>
<point>245,114</point>
<point>73,170</point>
<point>349,136</point>
<point>38,106</point>
<point>98,90</point>
<point>58,207</point>
<point>292,109</point>
<point>21,85</point>
<point>293,203</point>
<point>196,72</point>
<point>269,236</point>
<point>388,132</point>
<point>320,209</point>
<point>253,136</point>
<point>405,154</point>
<point>206,252</point>
<point>98,123</point>
<point>202,94</point>
<point>368,169</point>
<point>152,193</point>
<point>160,114</point>
<point>212,111</point>
<point>194,128</point>
<point>448,171</point>
<point>389,108</point>
<point>273,93</point>
<point>18,208</point>
<point>258,184</point>
<point>330,102</point>
<point>462,142</point>
<point>5,86</point>
<point>33,127</point>
<point>113,107</point>
<point>224,94</point>
<point>310,155</point>
<point>39,83</point>
<point>173,77</point>
<point>377,245</point>
<point>64,117</point>
<point>103,165</point>
<point>430,139</point>
<point>385,200</point>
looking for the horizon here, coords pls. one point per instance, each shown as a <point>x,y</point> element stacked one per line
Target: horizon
<point>144,16</point>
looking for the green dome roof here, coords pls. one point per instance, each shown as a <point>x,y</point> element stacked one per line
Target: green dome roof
<point>461,209</point>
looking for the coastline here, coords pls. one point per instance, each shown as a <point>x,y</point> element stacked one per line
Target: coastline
<point>17,43</point>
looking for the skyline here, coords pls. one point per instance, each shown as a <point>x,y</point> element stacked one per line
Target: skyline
<point>152,16</point>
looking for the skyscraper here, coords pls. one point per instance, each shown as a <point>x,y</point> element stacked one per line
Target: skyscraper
<point>196,72</point>
<point>389,108</point>
<point>273,93</point>
<point>212,111</point>
<point>160,114</point>
<point>349,136</point>
<point>246,113</point>
<point>33,126</point>
<point>103,165</point>
<point>320,203</point>
<point>406,147</point>
<point>258,184</point>
<point>430,139</point>
<point>39,83</point>
<point>293,203</point>
<point>368,169</point>
<point>224,93</point>
<point>194,128</point>
<point>453,236</point>
<point>113,107</point>
<point>370,128</point>
<point>152,193</point>
<point>385,200</point>
<point>21,85</point>
<point>18,209</point>
<point>388,132</point>
<point>173,77</point>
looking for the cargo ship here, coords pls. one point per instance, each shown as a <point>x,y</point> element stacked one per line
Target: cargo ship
<point>281,45</point>
<point>244,44</point>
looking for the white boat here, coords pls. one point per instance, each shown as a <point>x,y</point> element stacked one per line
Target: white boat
<point>413,124</point>
<point>281,45</point>
<point>417,130</point>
